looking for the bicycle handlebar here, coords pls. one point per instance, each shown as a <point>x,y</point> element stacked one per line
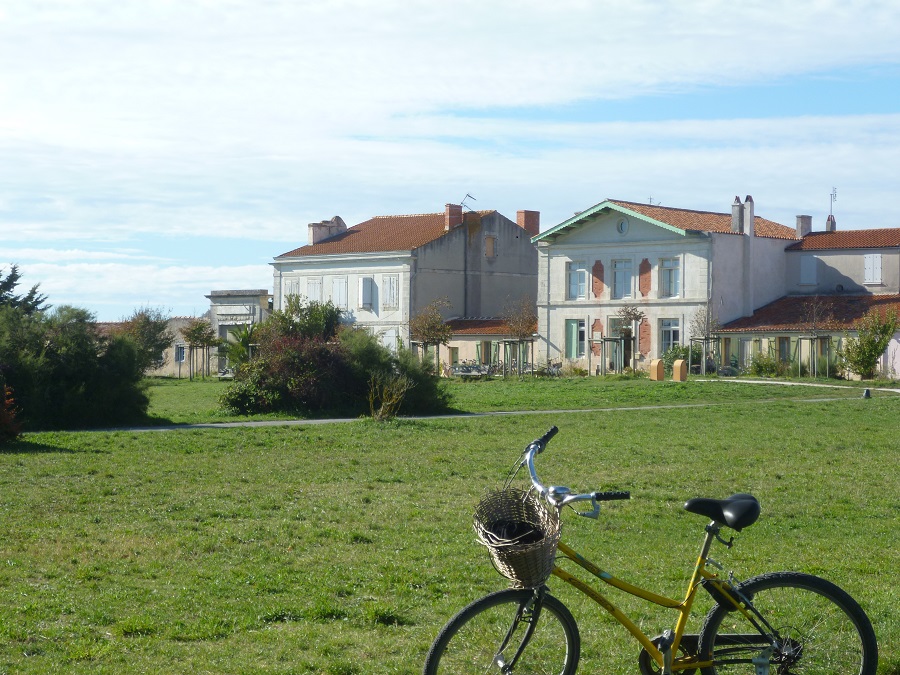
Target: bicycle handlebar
<point>560,496</point>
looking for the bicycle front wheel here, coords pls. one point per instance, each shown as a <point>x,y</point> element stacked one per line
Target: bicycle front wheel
<point>818,630</point>
<point>487,635</point>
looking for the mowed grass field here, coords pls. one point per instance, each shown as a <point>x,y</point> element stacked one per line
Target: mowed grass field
<point>343,548</point>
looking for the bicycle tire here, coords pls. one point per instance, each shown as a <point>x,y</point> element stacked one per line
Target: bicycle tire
<point>470,641</point>
<point>822,629</point>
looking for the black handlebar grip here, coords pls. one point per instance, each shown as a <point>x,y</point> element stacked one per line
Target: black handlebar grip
<point>543,440</point>
<point>611,496</point>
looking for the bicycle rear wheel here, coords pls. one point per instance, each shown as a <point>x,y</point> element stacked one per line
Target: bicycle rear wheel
<point>820,630</point>
<point>489,632</point>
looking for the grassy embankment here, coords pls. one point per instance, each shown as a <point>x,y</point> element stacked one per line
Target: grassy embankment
<point>343,548</point>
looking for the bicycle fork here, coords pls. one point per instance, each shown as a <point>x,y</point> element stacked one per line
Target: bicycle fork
<point>528,613</point>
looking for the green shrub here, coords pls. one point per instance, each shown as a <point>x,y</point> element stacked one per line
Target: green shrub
<point>767,365</point>
<point>65,374</point>
<point>675,352</point>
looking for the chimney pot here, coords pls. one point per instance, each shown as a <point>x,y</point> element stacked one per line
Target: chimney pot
<point>831,224</point>
<point>737,216</point>
<point>749,217</point>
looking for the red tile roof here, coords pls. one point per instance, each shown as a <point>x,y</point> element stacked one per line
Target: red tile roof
<point>497,327</point>
<point>706,221</point>
<point>792,312</point>
<point>821,241</point>
<point>384,233</point>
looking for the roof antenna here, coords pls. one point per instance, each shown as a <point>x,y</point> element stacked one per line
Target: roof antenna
<point>463,202</point>
<point>833,200</point>
<point>650,202</point>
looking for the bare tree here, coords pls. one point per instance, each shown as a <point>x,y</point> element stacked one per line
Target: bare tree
<point>634,315</point>
<point>705,322</point>
<point>521,319</point>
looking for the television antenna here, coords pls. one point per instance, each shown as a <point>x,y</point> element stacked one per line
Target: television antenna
<point>463,202</point>
<point>833,200</point>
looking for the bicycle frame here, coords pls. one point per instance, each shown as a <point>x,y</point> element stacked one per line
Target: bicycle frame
<point>683,607</point>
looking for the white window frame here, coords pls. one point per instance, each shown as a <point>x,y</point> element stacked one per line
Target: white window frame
<point>390,291</point>
<point>872,268</point>
<point>669,334</point>
<point>579,344</point>
<point>314,289</point>
<point>366,289</point>
<point>339,292</point>
<point>670,277</point>
<point>180,352</point>
<point>622,279</point>
<point>576,280</point>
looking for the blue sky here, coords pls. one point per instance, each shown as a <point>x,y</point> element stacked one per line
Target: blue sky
<point>155,151</point>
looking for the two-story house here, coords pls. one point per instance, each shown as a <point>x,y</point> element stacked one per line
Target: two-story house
<point>832,279</point>
<point>386,269</point>
<point>665,263</point>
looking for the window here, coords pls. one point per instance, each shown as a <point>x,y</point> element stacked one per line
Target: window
<point>622,226</point>
<point>391,290</point>
<point>179,354</point>
<point>454,356</point>
<point>314,289</point>
<point>873,268</point>
<point>621,279</point>
<point>339,292</point>
<point>577,277</point>
<point>808,270</point>
<point>669,278</point>
<point>784,349</point>
<point>366,292</point>
<point>490,247</point>
<point>669,334</point>
<point>574,338</point>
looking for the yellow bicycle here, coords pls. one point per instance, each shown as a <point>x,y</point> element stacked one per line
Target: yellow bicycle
<point>789,623</point>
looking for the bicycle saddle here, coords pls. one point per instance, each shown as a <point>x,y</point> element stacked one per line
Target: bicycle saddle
<point>737,511</point>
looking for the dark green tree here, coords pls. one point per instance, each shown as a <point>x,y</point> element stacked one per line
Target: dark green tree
<point>31,302</point>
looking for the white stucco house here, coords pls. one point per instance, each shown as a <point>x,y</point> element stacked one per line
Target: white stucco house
<point>669,263</point>
<point>386,269</point>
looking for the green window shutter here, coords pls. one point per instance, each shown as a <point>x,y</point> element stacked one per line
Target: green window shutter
<point>572,338</point>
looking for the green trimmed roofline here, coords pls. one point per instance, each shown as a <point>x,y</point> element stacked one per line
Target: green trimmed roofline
<point>580,218</point>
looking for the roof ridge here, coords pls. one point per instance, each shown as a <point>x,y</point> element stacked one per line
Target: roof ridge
<point>675,208</point>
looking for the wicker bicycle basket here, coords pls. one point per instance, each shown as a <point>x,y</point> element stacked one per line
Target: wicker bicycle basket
<point>520,533</point>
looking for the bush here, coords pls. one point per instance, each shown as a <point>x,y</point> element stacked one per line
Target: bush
<point>675,352</point>
<point>65,374</point>
<point>768,365</point>
<point>10,429</point>
<point>347,375</point>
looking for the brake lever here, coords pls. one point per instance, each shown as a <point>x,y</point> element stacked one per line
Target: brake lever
<point>594,513</point>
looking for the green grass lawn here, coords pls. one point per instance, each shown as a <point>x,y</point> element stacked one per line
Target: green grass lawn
<point>344,548</point>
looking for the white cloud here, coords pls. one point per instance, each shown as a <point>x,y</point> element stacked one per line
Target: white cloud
<point>129,127</point>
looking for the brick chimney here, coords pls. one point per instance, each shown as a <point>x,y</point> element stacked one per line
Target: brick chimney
<point>530,221</point>
<point>830,224</point>
<point>453,216</point>
<point>737,216</point>
<point>325,230</point>
<point>804,226</point>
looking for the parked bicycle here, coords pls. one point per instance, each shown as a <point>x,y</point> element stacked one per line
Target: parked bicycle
<point>789,623</point>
